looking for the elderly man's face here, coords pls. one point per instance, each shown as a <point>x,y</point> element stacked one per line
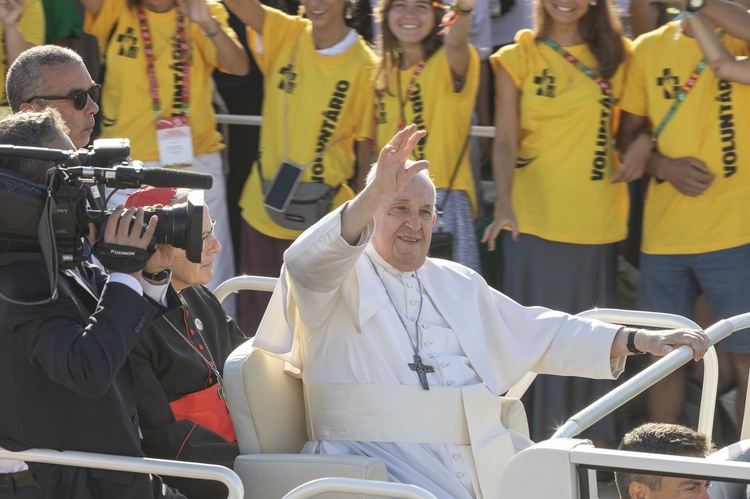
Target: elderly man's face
<point>672,488</point>
<point>403,225</point>
<point>64,80</point>
<point>186,273</point>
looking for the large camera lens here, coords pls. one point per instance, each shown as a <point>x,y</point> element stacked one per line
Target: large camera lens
<point>181,225</point>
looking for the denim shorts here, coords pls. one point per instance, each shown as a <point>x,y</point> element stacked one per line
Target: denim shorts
<point>672,283</point>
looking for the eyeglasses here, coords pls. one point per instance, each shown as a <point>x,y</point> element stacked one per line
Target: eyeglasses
<point>207,236</point>
<point>79,97</point>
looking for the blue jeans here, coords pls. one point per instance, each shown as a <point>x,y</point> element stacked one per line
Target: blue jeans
<point>672,283</point>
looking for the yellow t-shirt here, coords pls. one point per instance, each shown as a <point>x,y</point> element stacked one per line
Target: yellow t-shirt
<point>329,107</point>
<point>713,125</point>
<point>31,25</point>
<point>434,106</point>
<point>126,97</point>
<point>562,188</point>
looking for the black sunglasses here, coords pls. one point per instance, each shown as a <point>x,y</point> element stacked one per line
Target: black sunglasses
<point>79,97</point>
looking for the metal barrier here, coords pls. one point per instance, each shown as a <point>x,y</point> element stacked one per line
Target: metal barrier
<point>235,119</point>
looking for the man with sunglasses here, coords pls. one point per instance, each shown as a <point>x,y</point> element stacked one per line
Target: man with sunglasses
<point>179,361</point>
<point>49,75</point>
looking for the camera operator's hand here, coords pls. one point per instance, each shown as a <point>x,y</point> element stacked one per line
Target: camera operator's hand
<point>123,230</point>
<point>160,260</point>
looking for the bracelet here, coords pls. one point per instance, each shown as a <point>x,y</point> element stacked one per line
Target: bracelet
<point>213,34</point>
<point>631,342</point>
<point>158,276</point>
<point>455,8</point>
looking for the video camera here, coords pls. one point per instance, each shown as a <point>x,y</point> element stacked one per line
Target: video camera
<point>54,218</point>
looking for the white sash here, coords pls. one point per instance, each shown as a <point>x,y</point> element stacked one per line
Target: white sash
<point>468,417</point>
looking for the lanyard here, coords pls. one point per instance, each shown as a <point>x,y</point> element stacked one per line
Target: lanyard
<point>148,49</point>
<point>603,83</point>
<point>401,102</point>
<point>679,98</point>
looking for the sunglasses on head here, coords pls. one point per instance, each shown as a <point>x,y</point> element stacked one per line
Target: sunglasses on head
<point>79,97</point>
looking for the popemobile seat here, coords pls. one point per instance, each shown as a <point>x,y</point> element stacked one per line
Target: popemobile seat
<point>738,451</point>
<point>267,408</point>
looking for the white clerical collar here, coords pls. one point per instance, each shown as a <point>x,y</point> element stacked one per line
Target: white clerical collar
<point>380,261</point>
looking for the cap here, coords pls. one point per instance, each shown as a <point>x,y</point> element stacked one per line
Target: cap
<point>149,196</point>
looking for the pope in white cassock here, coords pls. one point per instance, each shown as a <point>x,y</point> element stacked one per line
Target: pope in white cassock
<point>403,357</point>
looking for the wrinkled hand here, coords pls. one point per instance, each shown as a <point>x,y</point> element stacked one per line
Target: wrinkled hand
<point>197,11</point>
<point>504,218</point>
<point>10,11</point>
<point>634,160</point>
<point>661,343</point>
<point>690,176</point>
<point>393,172</point>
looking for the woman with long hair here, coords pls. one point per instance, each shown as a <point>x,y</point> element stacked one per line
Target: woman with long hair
<point>561,205</point>
<point>428,75</point>
<point>317,111</point>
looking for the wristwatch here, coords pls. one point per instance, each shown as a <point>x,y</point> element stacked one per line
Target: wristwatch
<point>695,5</point>
<point>157,276</point>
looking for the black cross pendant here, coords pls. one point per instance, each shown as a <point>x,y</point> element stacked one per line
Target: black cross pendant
<point>421,370</point>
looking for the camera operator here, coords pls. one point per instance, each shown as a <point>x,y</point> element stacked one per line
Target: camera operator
<point>67,381</point>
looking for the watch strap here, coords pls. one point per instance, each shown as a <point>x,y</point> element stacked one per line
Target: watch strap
<point>158,276</point>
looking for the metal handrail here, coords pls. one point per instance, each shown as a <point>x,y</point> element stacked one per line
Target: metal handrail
<point>236,119</point>
<point>649,376</point>
<point>358,486</point>
<point>134,465</point>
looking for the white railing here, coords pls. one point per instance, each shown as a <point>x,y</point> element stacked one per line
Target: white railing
<point>356,486</point>
<point>134,465</point>
<point>649,376</point>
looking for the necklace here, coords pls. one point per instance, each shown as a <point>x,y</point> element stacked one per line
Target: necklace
<point>417,366</point>
<point>210,363</point>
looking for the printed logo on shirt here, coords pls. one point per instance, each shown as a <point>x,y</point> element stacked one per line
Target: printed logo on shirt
<point>546,84</point>
<point>128,44</point>
<point>417,108</point>
<point>602,143</point>
<point>670,83</point>
<point>727,128</point>
<point>288,76</point>
<point>328,126</point>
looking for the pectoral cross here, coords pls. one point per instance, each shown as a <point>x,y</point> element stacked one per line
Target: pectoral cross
<point>421,370</point>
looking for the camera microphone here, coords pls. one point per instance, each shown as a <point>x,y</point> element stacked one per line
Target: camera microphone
<point>137,176</point>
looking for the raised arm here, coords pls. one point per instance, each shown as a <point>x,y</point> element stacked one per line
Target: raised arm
<point>12,14</point>
<point>457,38</point>
<point>93,6</point>
<point>229,52</point>
<point>391,174</point>
<point>724,65</point>
<point>504,152</point>
<point>249,12</point>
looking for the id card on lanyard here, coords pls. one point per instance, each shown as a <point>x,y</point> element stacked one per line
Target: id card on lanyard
<point>173,134</point>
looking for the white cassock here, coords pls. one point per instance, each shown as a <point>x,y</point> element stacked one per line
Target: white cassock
<point>341,329</point>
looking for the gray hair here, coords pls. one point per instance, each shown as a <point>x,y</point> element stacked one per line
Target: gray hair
<point>31,129</point>
<point>24,81</point>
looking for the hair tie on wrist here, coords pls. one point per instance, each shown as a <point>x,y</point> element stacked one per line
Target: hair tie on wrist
<point>454,7</point>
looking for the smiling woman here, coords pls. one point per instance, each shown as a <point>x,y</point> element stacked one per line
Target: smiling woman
<point>424,41</point>
<point>313,66</point>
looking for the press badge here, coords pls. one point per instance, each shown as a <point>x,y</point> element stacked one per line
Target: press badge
<point>175,141</point>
